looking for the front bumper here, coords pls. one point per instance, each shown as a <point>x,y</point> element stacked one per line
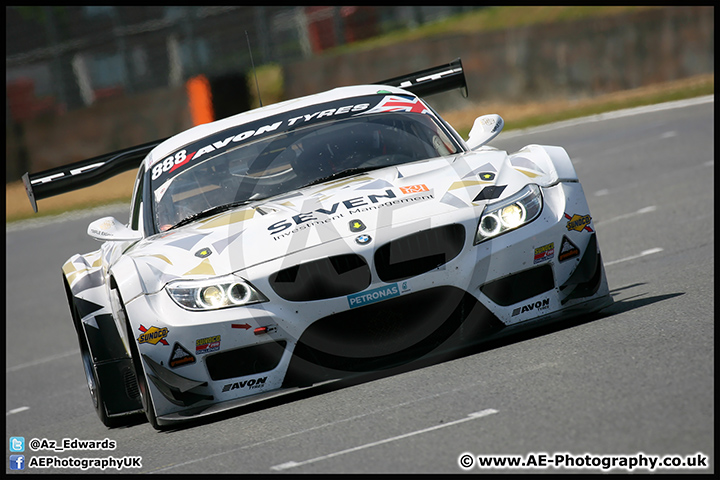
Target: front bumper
<point>210,361</point>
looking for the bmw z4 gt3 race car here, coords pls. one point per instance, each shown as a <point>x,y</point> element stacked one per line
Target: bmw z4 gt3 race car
<point>341,232</point>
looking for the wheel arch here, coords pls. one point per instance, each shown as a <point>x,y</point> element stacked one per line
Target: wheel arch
<point>92,316</point>
<point>553,160</point>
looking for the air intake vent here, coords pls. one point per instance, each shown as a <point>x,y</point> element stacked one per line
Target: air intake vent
<point>419,253</point>
<point>324,278</point>
<point>516,288</point>
<point>245,361</point>
<point>389,333</point>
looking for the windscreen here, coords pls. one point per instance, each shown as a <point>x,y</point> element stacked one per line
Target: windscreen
<point>280,163</point>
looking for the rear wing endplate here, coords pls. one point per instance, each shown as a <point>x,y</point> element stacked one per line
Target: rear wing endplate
<point>85,173</point>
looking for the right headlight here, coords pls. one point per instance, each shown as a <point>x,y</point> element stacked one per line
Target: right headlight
<point>509,214</point>
<point>214,293</point>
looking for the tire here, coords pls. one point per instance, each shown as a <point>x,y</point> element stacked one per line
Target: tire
<point>94,383</point>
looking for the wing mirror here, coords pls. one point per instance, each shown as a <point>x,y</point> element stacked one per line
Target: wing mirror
<point>108,229</point>
<point>484,129</point>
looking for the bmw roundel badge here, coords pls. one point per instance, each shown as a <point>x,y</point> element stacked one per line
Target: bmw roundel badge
<point>363,239</point>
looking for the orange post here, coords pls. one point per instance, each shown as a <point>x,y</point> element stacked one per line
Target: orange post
<point>200,97</point>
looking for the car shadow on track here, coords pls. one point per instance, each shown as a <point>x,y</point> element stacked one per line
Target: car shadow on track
<point>515,336</point>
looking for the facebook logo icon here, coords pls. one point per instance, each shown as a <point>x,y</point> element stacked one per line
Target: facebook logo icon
<point>17,462</point>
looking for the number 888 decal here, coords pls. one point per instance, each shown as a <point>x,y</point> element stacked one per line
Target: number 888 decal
<point>171,163</point>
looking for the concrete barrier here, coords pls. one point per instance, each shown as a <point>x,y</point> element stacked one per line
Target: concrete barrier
<point>574,59</point>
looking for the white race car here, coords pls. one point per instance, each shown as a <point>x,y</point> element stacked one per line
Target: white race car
<point>342,232</point>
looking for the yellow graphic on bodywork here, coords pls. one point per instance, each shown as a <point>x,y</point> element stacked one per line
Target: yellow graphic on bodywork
<point>467,183</point>
<point>204,268</point>
<point>160,256</point>
<point>75,271</point>
<point>229,218</point>
<point>70,272</point>
<point>529,173</point>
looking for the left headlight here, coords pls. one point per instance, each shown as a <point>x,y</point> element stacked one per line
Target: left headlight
<point>214,293</point>
<point>509,214</point>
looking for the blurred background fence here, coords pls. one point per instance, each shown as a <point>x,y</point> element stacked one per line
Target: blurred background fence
<point>81,81</point>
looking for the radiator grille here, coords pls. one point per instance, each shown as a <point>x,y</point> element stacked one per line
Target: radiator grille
<point>324,278</point>
<point>419,253</point>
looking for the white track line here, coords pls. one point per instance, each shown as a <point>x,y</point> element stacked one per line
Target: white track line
<point>17,410</point>
<point>649,209</point>
<point>42,360</point>
<point>318,427</point>
<point>612,115</point>
<point>472,416</point>
<point>642,254</point>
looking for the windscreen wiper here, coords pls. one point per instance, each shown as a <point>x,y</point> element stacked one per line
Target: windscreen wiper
<point>209,212</point>
<point>344,173</point>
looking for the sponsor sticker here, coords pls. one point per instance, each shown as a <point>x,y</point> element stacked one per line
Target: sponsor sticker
<point>207,345</point>
<point>546,252</point>
<point>374,295</point>
<point>353,206</point>
<point>414,189</point>
<point>228,139</point>
<point>251,384</point>
<point>180,356</point>
<point>538,306</point>
<point>357,226</point>
<point>568,250</point>
<point>578,222</point>
<point>153,335</point>
<point>203,252</point>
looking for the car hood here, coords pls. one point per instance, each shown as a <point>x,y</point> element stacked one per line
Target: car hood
<point>383,203</point>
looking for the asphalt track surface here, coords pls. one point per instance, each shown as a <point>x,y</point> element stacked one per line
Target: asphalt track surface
<point>636,380</point>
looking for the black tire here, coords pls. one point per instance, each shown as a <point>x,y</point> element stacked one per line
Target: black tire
<point>95,385</point>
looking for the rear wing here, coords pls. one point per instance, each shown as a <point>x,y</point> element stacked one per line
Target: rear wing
<point>85,173</point>
<point>432,80</point>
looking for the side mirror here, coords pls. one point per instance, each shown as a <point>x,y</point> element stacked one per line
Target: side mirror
<point>108,229</point>
<point>484,129</point>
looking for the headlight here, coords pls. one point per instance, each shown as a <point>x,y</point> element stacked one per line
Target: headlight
<point>214,293</point>
<point>509,214</point>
